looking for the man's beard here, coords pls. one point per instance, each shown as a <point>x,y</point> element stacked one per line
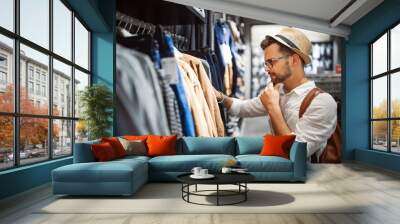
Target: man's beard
<point>282,77</point>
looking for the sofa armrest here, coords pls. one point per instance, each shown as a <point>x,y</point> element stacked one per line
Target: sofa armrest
<point>298,155</point>
<point>83,152</point>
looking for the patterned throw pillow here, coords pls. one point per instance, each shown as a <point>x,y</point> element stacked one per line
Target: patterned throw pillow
<point>134,147</point>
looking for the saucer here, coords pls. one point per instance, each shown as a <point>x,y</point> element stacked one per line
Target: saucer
<point>208,176</point>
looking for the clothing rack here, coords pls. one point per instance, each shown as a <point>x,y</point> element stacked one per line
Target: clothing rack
<point>137,27</point>
<point>129,23</point>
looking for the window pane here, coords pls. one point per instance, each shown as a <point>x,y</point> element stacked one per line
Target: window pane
<point>62,138</point>
<point>6,142</point>
<point>33,139</point>
<point>379,55</point>
<point>62,89</point>
<point>35,21</point>
<point>81,81</point>
<point>6,74</point>
<point>81,45</point>
<point>395,138</point>
<point>81,131</point>
<point>7,14</point>
<point>62,29</point>
<point>32,61</point>
<point>395,47</point>
<point>379,97</point>
<point>395,94</point>
<point>379,135</point>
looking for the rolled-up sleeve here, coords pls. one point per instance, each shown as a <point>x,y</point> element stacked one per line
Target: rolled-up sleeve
<point>318,123</point>
<point>247,108</point>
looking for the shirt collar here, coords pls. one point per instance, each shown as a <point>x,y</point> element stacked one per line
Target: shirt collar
<point>299,90</point>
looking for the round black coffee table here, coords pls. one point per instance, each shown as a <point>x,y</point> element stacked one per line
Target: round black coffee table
<point>238,179</point>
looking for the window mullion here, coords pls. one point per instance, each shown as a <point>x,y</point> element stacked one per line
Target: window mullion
<point>371,98</point>
<point>50,79</point>
<point>73,82</point>
<point>16,84</point>
<point>389,104</point>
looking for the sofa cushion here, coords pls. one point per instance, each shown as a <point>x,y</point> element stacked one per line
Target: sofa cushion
<point>185,163</point>
<point>161,145</point>
<point>133,147</point>
<point>249,145</point>
<point>257,163</point>
<point>112,171</point>
<point>208,145</point>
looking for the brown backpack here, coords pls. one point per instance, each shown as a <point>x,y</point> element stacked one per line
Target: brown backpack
<point>332,153</point>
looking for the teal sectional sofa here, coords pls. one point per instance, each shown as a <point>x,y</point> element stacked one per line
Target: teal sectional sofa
<point>125,176</point>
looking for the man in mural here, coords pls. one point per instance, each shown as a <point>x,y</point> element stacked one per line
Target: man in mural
<point>285,56</point>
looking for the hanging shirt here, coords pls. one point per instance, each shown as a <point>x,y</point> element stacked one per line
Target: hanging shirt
<point>140,106</point>
<point>208,91</point>
<point>315,127</point>
<point>201,114</point>
<point>225,48</point>
<point>179,90</point>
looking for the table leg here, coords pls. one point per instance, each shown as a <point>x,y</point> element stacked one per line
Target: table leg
<point>188,192</point>
<point>217,194</point>
<point>196,188</point>
<point>245,193</point>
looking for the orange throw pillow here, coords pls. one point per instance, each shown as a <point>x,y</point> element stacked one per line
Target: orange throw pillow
<point>103,151</point>
<point>136,137</point>
<point>116,145</point>
<point>277,145</point>
<point>161,145</point>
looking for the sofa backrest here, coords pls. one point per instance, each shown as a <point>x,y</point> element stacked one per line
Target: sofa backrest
<point>249,145</point>
<point>206,145</point>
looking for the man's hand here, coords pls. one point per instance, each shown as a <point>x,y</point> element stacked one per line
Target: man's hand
<point>221,98</point>
<point>218,95</point>
<point>270,97</point>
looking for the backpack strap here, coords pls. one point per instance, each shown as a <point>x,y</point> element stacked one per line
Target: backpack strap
<point>303,107</point>
<point>308,99</point>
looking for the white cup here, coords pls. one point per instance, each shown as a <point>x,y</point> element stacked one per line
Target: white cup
<point>196,171</point>
<point>226,170</point>
<point>203,172</point>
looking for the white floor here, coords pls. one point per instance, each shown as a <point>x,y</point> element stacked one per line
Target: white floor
<point>377,189</point>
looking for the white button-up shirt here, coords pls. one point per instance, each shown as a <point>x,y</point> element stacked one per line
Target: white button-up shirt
<point>315,127</point>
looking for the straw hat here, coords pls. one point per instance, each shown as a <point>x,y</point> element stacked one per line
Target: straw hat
<point>296,41</point>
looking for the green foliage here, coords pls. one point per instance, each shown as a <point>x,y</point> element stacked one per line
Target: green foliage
<point>380,127</point>
<point>96,102</point>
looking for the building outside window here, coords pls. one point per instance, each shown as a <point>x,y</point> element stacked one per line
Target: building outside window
<point>44,91</point>
<point>3,60</point>
<point>30,87</point>
<point>3,78</point>
<point>38,89</point>
<point>43,77</point>
<point>59,133</point>
<point>37,74</point>
<point>30,72</point>
<point>3,72</point>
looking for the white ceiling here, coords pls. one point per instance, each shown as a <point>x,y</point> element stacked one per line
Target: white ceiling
<point>321,9</point>
<point>314,15</point>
